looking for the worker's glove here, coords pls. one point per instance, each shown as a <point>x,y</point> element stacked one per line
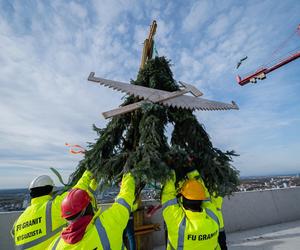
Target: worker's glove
<point>93,185</point>
<point>128,177</point>
<point>173,176</point>
<point>135,205</point>
<point>187,170</point>
<point>182,172</point>
<point>138,189</point>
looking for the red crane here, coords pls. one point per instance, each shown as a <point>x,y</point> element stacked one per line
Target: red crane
<point>261,73</point>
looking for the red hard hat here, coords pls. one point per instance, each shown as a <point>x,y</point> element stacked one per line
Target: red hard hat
<point>74,202</point>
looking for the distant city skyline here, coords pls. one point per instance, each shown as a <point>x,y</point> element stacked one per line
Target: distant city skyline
<point>48,49</point>
<point>18,199</point>
<point>241,178</point>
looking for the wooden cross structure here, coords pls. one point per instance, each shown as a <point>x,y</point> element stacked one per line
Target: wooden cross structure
<point>149,95</point>
<point>176,99</point>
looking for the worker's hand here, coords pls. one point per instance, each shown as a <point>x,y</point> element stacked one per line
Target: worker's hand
<point>93,184</point>
<point>187,170</point>
<point>173,176</point>
<point>128,177</point>
<point>135,205</point>
<point>194,175</point>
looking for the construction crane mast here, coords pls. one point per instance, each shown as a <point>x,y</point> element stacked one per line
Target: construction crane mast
<point>262,72</point>
<point>148,45</point>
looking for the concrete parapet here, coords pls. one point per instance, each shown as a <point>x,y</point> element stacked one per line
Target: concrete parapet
<point>246,210</point>
<point>7,220</point>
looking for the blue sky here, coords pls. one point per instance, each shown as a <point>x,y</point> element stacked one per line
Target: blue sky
<point>48,49</point>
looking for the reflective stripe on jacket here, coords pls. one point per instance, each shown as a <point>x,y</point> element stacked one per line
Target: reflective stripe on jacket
<point>187,229</point>
<point>217,201</point>
<point>41,222</point>
<point>105,231</point>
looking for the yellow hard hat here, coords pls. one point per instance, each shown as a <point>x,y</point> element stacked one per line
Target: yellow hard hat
<point>193,190</point>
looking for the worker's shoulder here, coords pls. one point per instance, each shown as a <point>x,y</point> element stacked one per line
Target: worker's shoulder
<point>209,204</point>
<point>58,198</point>
<point>27,213</point>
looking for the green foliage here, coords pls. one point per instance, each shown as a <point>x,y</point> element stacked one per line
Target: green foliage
<point>137,142</point>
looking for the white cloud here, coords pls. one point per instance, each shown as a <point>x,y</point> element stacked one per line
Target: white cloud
<point>190,67</point>
<point>77,10</point>
<point>199,13</point>
<point>219,27</point>
<point>45,98</point>
<point>140,34</point>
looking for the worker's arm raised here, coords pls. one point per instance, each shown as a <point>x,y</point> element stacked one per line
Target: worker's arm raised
<point>169,191</point>
<point>119,212</point>
<point>172,212</point>
<point>86,182</point>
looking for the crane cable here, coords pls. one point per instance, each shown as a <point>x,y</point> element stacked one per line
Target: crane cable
<point>282,45</point>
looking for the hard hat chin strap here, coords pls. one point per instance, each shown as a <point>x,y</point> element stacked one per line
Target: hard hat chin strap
<point>77,217</point>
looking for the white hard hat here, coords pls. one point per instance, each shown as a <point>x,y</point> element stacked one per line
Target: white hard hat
<point>41,181</point>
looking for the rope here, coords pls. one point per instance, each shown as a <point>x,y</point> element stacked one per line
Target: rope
<point>76,149</point>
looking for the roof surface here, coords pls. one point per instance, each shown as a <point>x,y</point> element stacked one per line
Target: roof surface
<point>285,236</point>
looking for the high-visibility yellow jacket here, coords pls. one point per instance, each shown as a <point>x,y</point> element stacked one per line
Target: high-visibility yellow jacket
<point>105,231</point>
<point>41,222</point>
<point>187,229</point>
<point>216,200</point>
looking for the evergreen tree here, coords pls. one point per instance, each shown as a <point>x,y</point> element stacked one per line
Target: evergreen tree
<point>137,141</point>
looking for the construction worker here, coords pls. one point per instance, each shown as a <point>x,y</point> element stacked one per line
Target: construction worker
<point>41,222</point>
<point>89,230</point>
<point>218,202</point>
<point>189,225</point>
<point>192,173</point>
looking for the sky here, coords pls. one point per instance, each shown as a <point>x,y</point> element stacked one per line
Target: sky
<point>48,49</point>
